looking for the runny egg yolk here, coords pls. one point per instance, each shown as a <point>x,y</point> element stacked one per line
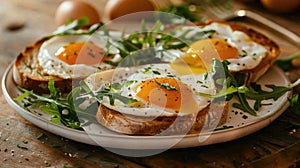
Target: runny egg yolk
<point>199,56</point>
<point>167,93</point>
<point>80,53</point>
<point>224,50</point>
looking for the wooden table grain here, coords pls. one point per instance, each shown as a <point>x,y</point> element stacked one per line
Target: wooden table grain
<point>23,144</point>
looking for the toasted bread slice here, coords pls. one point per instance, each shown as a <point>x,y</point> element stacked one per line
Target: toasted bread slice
<point>273,50</point>
<point>213,115</point>
<point>28,74</point>
<point>210,117</point>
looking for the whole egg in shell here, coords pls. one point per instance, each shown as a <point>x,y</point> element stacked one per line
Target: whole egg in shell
<point>76,9</point>
<point>118,8</point>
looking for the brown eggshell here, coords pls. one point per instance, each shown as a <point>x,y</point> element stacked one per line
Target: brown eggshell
<point>118,8</point>
<point>281,6</point>
<point>75,9</point>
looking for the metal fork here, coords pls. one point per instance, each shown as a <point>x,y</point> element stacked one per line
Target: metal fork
<point>217,9</point>
<point>224,10</point>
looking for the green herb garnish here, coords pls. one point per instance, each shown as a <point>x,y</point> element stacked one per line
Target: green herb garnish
<point>295,109</point>
<point>110,90</point>
<point>138,48</point>
<point>146,70</point>
<point>72,166</point>
<point>286,63</point>
<point>40,136</point>
<point>234,86</point>
<point>72,27</point>
<point>224,127</point>
<point>107,159</point>
<point>295,104</point>
<point>244,53</point>
<point>166,86</point>
<point>55,146</point>
<point>22,147</point>
<point>156,72</point>
<point>65,109</point>
<point>152,45</point>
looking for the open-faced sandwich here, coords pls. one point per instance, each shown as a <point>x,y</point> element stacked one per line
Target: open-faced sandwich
<point>66,58</point>
<point>162,101</point>
<point>165,81</point>
<point>71,58</point>
<point>167,94</point>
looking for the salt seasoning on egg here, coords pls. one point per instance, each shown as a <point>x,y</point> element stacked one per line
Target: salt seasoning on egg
<point>75,9</point>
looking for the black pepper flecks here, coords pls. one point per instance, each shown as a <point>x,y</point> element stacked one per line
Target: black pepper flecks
<point>245,117</point>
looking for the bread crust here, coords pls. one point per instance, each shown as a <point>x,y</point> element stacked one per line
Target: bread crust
<point>273,50</point>
<point>210,117</point>
<point>189,123</point>
<point>28,74</point>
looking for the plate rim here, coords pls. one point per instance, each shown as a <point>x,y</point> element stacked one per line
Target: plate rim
<point>21,111</point>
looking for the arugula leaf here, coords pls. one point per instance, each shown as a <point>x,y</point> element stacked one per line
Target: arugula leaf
<point>84,86</point>
<point>70,28</point>
<point>233,86</point>
<point>66,109</point>
<point>56,120</point>
<point>23,96</point>
<point>294,108</point>
<point>257,94</point>
<point>112,91</point>
<point>222,93</point>
<point>166,86</point>
<point>295,104</point>
<point>243,104</point>
<point>151,46</point>
<point>287,63</point>
<point>53,91</point>
<point>51,109</point>
<point>53,105</point>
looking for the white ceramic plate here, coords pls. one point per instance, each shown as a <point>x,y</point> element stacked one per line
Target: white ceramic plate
<point>243,123</point>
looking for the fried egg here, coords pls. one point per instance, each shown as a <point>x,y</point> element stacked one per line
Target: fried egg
<point>232,45</point>
<point>160,90</point>
<point>74,56</point>
<point>79,56</point>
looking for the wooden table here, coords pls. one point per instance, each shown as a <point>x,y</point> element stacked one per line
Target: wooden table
<point>23,22</point>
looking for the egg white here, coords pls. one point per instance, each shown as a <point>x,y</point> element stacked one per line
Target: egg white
<point>53,66</point>
<point>250,52</point>
<point>133,76</point>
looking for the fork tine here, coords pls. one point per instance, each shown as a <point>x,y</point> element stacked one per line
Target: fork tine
<point>218,9</point>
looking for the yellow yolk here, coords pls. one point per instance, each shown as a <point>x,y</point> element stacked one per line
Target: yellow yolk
<point>167,93</point>
<point>80,53</point>
<point>224,49</point>
<point>188,65</point>
<point>199,56</point>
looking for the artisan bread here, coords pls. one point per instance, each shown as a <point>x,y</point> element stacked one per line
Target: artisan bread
<point>214,115</point>
<point>28,74</point>
<point>273,50</point>
<point>210,117</point>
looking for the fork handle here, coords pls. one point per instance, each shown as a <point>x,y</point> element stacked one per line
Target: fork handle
<point>245,13</point>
